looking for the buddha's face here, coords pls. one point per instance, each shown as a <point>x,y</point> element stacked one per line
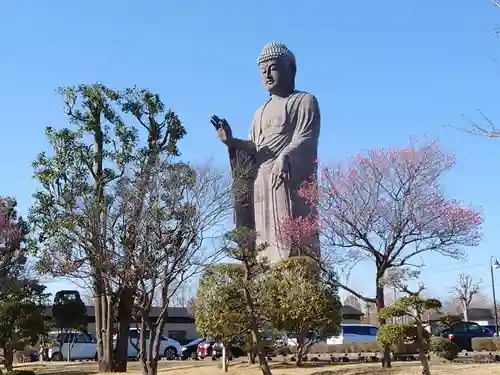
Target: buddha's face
<point>276,75</point>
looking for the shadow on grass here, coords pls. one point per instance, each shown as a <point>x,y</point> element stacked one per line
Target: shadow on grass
<point>355,371</point>
<point>79,369</point>
<point>68,372</point>
<point>287,365</point>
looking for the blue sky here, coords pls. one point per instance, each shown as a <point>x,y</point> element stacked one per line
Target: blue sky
<point>381,70</point>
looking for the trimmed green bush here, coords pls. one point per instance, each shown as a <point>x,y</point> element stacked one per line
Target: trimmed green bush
<point>347,348</point>
<point>444,348</point>
<point>486,344</point>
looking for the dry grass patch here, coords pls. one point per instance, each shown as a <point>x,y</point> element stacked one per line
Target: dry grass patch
<point>211,368</point>
<point>90,368</point>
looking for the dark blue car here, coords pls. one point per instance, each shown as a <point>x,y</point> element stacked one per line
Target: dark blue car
<point>462,334</point>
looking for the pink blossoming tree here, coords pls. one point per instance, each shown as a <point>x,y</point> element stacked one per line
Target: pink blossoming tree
<point>13,230</point>
<point>385,206</point>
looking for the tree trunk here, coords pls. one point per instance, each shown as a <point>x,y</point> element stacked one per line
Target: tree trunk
<point>150,353</point>
<point>8,355</point>
<point>422,349</point>
<point>465,311</point>
<point>102,303</point>
<point>142,352</point>
<point>125,308</point>
<point>298,357</point>
<point>71,344</point>
<point>224,360</point>
<point>264,366</point>
<point>108,332</point>
<point>152,366</point>
<point>103,332</point>
<point>380,302</point>
<point>42,353</point>
<point>152,358</point>
<point>103,367</point>
<point>299,354</point>
<point>251,354</point>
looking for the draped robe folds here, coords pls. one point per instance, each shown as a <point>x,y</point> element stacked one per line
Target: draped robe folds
<point>287,127</point>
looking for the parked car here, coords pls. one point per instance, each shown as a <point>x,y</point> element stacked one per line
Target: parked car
<point>169,348</point>
<point>237,349</point>
<point>190,350</point>
<point>462,334</point>
<point>213,348</point>
<point>33,356</point>
<point>354,333</point>
<point>204,348</point>
<point>491,328</point>
<point>78,345</point>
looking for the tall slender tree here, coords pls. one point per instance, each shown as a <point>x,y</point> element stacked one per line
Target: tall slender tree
<point>75,234</point>
<point>183,210</point>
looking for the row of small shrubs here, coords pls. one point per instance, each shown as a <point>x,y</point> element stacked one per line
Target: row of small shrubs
<point>365,347</point>
<point>486,344</point>
<point>442,347</point>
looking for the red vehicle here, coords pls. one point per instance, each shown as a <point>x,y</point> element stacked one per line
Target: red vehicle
<point>205,349</point>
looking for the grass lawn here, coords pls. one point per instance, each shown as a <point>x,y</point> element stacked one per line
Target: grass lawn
<point>209,368</point>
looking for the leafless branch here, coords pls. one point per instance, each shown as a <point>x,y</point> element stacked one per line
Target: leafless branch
<point>464,291</point>
<point>487,130</point>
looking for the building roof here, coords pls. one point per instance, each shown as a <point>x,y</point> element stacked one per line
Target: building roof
<point>474,313</point>
<point>349,310</point>
<point>173,312</point>
<point>182,312</point>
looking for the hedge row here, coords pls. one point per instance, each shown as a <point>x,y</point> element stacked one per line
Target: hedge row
<point>371,347</point>
<point>486,344</point>
<point>479,344</point>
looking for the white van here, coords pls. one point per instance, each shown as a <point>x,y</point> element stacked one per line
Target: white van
<point>354,333</point>
<point>79,345</point>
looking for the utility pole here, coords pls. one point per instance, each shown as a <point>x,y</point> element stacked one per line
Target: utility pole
<point>494,266</point>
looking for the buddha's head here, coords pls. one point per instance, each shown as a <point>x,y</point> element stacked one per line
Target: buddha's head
<point>277,68</point>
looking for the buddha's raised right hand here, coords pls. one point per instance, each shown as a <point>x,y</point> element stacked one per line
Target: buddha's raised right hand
<point>224,131</point>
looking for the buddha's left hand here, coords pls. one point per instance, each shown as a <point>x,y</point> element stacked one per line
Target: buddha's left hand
<point>281,170</point>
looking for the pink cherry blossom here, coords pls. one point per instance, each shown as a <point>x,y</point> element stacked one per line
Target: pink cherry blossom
<point>298,232</point>
<point>387,204</point>
<point>9,233</point>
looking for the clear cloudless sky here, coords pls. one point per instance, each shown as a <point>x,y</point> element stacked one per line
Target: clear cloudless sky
<point>382,71</point>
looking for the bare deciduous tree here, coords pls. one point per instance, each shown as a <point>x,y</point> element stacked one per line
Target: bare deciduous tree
<point>488,129</point>
<point>465,288</point>
<point>184,211</point>
<point>386,207</point>
<point>183,297</point>
<point>77,230</point>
